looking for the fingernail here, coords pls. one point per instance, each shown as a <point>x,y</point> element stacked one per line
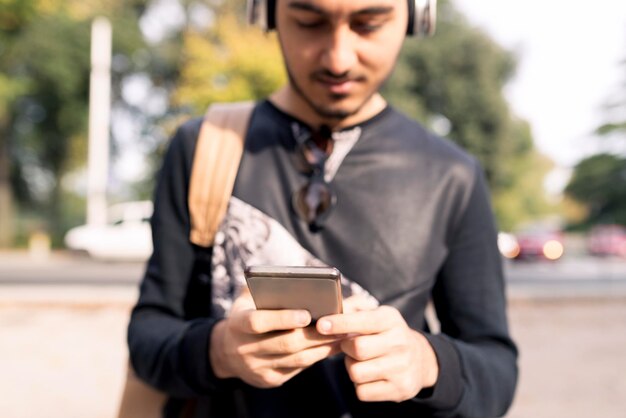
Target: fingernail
<point>324,325</point>
<point>302,318</point>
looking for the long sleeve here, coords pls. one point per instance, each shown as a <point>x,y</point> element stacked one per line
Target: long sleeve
<point>478,359</point>
<point>168,347</point>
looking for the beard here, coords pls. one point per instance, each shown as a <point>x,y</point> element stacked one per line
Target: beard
<point>326,111</point>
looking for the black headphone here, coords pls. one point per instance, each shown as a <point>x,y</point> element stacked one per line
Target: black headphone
<point>422,16</point>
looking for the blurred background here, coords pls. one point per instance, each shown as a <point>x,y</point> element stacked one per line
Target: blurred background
<point>91,90</point>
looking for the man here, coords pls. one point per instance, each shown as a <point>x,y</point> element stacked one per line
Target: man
<point>404,215</point>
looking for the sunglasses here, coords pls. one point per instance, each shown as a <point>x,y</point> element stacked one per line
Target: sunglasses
<point>315,199</point>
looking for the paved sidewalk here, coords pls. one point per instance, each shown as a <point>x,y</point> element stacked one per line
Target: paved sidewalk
<point>572,357</point>
<point>63,353</point>
<point>61,359</point>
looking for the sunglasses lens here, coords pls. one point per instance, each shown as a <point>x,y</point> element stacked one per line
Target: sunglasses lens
<point>313,201</point>
<point>314,154</point>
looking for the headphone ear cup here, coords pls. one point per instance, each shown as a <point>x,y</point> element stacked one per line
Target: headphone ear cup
<point>271,14</point>
<point>422,18</point>
<point>262,13</point>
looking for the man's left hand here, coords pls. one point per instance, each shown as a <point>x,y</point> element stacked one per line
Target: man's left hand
<point>386,360</point>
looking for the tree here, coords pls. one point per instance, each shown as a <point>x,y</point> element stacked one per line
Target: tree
<point>11,15</point>
<point>44,73</point>
<point>599,182</point>
<point>615,111</point>
<point>518,199</point>
<point>229,62</point>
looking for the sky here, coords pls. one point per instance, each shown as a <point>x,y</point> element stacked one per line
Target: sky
<point>568,67</point>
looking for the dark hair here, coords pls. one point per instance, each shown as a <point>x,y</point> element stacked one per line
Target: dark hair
<point>271,16</point>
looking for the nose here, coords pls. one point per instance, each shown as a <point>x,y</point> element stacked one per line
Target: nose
<point>339,55</point>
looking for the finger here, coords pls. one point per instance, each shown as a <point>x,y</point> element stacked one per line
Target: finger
<point>245,291</point>
<point>363,322</point>
<point>366,347</point>
<point>243,302</point>
<point>292,341</point>
<point>287,373</point>
<point>305,358</point>
<point>380,368</point>
<point>263,321</point>
<point>356,303</point>
<point>272,378</point>
<point>378,391</point>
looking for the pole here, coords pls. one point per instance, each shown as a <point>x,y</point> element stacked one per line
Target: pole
<point>99,120</point>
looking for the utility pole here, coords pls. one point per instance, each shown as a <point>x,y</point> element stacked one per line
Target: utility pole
<point>99,121</point>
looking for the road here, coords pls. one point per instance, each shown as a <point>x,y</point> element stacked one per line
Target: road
<point>581,276</point>
<point>63,268</point>
<point>571,276</point>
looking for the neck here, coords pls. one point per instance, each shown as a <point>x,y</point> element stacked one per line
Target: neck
<point>287,100</point>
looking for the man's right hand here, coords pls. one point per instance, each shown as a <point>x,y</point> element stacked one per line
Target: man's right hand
<point>266,348</point>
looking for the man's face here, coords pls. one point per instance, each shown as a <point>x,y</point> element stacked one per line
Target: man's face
<point>339,52</point>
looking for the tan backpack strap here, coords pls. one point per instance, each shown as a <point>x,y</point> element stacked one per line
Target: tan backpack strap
<point>139,399</point>
<point>215,164</point>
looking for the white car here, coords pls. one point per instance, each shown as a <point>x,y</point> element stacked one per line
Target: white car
<point>127,235</point>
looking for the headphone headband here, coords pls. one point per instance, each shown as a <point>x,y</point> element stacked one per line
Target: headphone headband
<point>422,16</point>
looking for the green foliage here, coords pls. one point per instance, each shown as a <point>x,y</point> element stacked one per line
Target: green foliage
<point>615,110</point>
<point>609,128</point>
<point>599,183</point>
<point>44,83</point>
<point>518,198</point>
<point>10,90</point>
<point>229,63</point>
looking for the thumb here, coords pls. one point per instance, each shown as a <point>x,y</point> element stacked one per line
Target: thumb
<point>244,301</point>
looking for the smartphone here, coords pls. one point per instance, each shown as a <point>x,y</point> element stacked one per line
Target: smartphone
<point>316,289</point>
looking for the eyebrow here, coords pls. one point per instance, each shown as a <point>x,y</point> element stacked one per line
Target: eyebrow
<point>376,10</point>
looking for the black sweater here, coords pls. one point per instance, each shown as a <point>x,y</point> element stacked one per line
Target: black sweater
<point>412,223</point>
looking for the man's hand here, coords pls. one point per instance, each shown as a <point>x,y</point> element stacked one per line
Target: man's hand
<point>266,348</point>
<point>386,360</point>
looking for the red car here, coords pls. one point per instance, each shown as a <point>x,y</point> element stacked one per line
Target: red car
<point>607,240</point>
<point>543,244</point>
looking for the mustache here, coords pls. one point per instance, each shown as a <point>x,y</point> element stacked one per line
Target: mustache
<point>327,75</point>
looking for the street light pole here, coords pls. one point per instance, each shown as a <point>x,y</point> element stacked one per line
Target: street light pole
<point>99,120</point>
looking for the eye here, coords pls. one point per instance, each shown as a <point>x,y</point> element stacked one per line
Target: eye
<point>310,24</point>
<point>366,27</point>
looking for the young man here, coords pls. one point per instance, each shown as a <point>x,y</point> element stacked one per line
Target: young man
<point>404,215</point>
